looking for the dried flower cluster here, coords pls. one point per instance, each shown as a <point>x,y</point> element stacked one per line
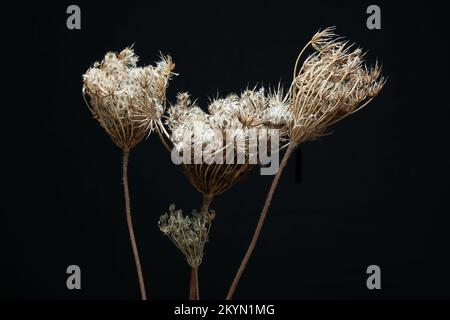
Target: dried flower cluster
<point>225,130</point>
<point>332,83</point>
<point>223,144</point>
<point>128,101</point>
<point>189,233</point>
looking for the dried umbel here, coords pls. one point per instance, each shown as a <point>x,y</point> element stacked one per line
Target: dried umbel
<point>332,83</point>
<point>217,148</point>
<point>128,101</point>
<point>188,233</point>
<point>221,143</point>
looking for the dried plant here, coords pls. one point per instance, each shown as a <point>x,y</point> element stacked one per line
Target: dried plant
<point>189,234</point>
<point>128,102</point>
<point>223,133</point>
<point>219,147</point>
<point>332,83</point>
<point>225,130</point>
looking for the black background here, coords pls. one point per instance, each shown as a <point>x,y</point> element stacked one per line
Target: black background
<point>373,192</point>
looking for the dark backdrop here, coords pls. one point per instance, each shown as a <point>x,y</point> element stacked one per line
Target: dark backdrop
<point>373,192</point>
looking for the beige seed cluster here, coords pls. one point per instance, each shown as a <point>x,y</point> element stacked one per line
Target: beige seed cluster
<point>332,83</point>
<point>188,233</point>
<point>127,100</point>
<point>225,128</point>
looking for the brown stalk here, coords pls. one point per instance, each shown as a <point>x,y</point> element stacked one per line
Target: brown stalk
<point>194,293</point>
<point>207,199</point>
<point>126,154</point>
<point>261,220</point>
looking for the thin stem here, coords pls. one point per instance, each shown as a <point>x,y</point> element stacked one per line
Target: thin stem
<point>298,60</point>
<point>260,224</point>
<point>194,292</point>
<point>207,199</point>
<point>126,154</point>
<point>162,137</point>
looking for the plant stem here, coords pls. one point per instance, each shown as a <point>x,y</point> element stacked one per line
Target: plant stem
<point>207,199</point>
<point>126,154</point>
<point>194,293</point>
<point>261,220</point>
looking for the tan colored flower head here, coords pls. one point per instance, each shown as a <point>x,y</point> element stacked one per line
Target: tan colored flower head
<point>127,100</point>
<point>225,130</point>
<point>332,84</point>
<point>188,233</point>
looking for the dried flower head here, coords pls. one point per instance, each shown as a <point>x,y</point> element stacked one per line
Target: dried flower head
<point>332,84</point>
<point>189,233</point>
<point>223,133</point>
<point>128,101</point>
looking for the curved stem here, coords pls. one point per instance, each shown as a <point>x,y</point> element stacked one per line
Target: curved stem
<point>194,292</point>
<point>126,154</point>
<point>261,220</point>
<point>162,137</point>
